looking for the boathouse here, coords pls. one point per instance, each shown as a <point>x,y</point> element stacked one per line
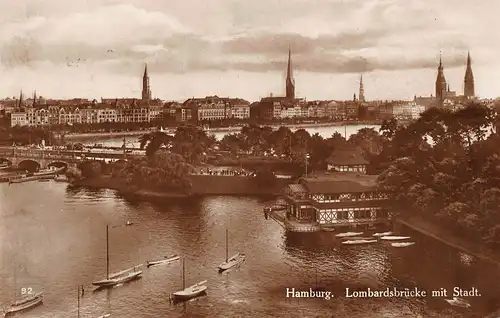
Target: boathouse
<point>345,195</point>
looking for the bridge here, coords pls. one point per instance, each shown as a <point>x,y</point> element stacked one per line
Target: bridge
<point>43,158</point>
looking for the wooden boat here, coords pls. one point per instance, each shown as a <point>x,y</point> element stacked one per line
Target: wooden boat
<point>349,234</point>
<point>49,171</point>
<point>382,234</point>
<point>458,302</point>
<point>359,242</point>
<point>119,277</point>
<point>190,292</point>
<point>405,244</point>
<point>328,229</point>
<point>394,238</point>
<point>25,302</point>
<point>232,261</point>
<point>356,238</point>
<point>166,260</point>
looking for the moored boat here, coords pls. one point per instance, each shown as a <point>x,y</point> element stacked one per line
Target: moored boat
<point>349,234</point>
<point>190,292</point>
<point>458,302</point>
<point>166,260</point>
<point>25,304</point>
<point>405,244</point>
<point>394,238</point>
<point>119,277</point>
<point>382,234</point>
<point>358,242</point>
<point>232,261</point>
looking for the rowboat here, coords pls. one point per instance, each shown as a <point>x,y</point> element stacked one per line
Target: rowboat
<point>105,316</point>
<point>402,244</point>
<point>190,292</point>
<point>26,303</point>
<point>382,234</point>
<point>458,302</point>
<point>349,234</point>
<point>232,261</point>
<point>359,242</point>
<point>394,238</point>
<point>166,260</point>
<point>356,238</point>
<point>119,277</point>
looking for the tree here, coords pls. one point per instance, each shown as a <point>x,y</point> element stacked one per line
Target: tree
<point>191,143</point>
<point>265,178</point>
<point>154,141</point>
<point>91,169</point>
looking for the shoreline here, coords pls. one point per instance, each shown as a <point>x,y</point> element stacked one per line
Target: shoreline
<point>74,136</point>
<point>436,232</point>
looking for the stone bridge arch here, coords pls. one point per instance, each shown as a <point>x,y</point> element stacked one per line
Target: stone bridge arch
<point>5,161</point>
<point>58,164</point>
<point>29,164</point>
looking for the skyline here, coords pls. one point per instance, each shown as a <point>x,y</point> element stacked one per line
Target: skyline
<point>98,48</point>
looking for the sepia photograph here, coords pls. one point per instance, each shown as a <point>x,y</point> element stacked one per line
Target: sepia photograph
<point>225,158</point>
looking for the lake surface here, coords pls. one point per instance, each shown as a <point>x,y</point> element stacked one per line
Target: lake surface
<point>55,236</point>
<point>325,132</point>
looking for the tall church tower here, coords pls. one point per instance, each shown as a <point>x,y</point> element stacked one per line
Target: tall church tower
<point>469,79</point>
<point>146,91</point>
<point>361,90</point>
<point>290,81</point>
<point>441,86</point>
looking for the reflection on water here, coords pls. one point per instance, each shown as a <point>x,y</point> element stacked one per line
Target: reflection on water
<point>56,235</point>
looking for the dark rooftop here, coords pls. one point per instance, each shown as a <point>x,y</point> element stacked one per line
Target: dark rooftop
<point>347,157</point>
<point>339,182</point>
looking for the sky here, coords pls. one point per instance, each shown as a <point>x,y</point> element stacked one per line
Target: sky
<point>236,48</point>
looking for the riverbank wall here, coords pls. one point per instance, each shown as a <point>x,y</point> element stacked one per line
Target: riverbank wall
<point>202,185</point>
<point>432,230</point>
<point>233,185</point>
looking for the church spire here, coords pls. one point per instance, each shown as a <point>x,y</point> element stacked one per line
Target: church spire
<point>469,90</point>
<point>290,81</point>
<point>441,86</point>
<point>361,89</point>
<point>146,91</point>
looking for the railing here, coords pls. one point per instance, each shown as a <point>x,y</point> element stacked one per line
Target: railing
<point>64,154</point>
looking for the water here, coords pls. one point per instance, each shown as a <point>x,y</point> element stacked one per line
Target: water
<point>325,132</point>
<point>57,234</point>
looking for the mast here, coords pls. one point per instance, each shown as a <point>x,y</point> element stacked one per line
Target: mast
<point>78,301</point>
<point>183,275</point>
<point>227,247</point>
<point>107,251</point>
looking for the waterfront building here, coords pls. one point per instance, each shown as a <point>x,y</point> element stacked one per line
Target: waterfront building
<point>346,160</point>
<point>407,110</point>
<point>240,109</point>
<point>18,119</point>
<point>343,196</point>
<point>69,116</point>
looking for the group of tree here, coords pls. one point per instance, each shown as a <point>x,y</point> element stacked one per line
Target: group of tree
<point>445,167</point>
<point>24,135</point>
<point>299,147</point>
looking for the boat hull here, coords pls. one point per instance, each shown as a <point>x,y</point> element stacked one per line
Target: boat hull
<point>25,306</point>
<point>349,234</point>
<point>232,263</point>
<point>118,280</point>
<point>394,238</point>
<point>359,242</point>
<point>163,261</point>
<point>189,293</point>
